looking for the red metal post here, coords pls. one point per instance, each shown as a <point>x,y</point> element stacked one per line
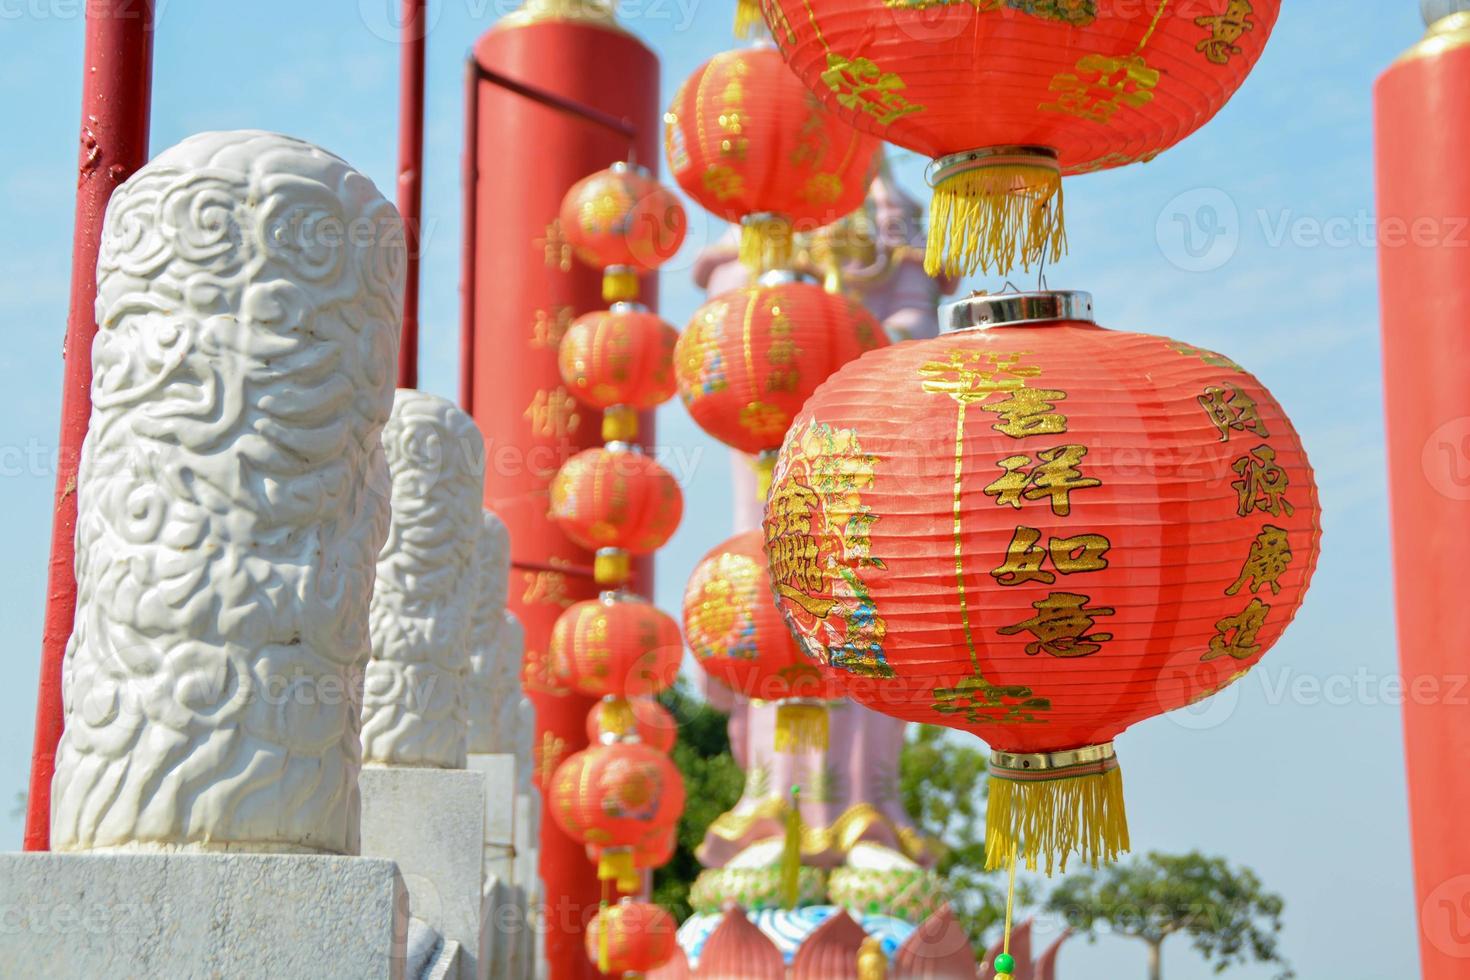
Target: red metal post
<point>470,238</point>
<point>558,98</point>
<point>413,41</point>
<point>1423,145</point>
<point>117,71</point>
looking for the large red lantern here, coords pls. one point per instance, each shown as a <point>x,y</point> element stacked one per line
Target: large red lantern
<point>615,719</point>
<point>631,937</point>
<point>1041,531</point>
<point>618,645</point>
<point>749,143</point>
<point>737,635</point>
<point>1009,95</point>
<point>625,222</point>
<point>617,502</point>
<point>621,361</point>
<point>750,358</point>
<point>616,797</point>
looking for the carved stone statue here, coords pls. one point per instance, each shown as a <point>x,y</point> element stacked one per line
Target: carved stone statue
<point>415,710</point>
<point>229,502</point>
<point>494,683</point>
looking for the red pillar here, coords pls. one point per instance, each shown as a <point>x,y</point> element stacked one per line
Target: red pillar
<point>117,68</point>
<point>1423,151</point>
<point>413,41</point>
<point>561,91</point>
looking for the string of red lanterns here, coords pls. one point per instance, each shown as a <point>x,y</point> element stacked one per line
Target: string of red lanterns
<point>621,797</point>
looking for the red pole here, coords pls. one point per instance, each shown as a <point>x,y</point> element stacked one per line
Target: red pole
<point>411,177</point>
<point>1423,143</point>
<point>471,236</point>
<point>117,71</point>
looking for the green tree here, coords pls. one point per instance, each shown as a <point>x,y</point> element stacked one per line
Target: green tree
<point>1226,912</point>
<point>942,785</point>
<point>712,785</point>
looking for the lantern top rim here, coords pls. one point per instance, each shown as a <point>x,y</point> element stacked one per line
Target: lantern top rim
<point>629,167</point>
<point>785,277</point>
<point>985,311</point>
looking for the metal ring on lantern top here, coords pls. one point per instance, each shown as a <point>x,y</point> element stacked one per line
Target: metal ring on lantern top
<point>981,311</point>
<point>1053,765</point>
<point>943,168</point>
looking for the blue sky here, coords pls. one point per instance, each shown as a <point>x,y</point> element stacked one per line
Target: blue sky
<point>1296,771</point>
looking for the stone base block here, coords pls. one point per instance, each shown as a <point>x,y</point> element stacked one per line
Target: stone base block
<point>432,823</point>
<point>201,915</point>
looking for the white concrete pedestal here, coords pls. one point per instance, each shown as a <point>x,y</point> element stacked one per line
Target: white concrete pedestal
<point>499,770</point>
<point>201,915</point>
<point>432,822</point>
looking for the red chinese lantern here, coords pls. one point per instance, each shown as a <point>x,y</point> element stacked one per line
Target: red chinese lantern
<point>750,144</point>
<point>621,361</point>
<point>1041,531</point>
<point>1009,95</point>
<point>616,797</point>
<point>613,719</point>
<point>751,357</point>
<point>631,937</point>
<point>618,645</point>
<point>625,222</point>
<point>737,635</point>
<point>617,502</point>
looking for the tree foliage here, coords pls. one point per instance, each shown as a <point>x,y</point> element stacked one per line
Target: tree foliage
<point>1226,912</point>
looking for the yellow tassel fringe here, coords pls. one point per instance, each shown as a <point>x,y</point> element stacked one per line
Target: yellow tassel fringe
<point>747,16</point>
<point>612,567</point>
<point>765,242</point>
<point>615,716</point>
<point>991,217</point>
<point>616,864</point>
<point>764,464</point>
<point>801,727</point>
<point>1044,821</point>
<point>791,853</point>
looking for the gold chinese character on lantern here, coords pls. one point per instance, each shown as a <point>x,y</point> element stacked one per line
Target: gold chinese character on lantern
<point>1235,635</point>
<point>1025,558</point>
<point>1061,626</point>
<point>978,700</point>
<point>1229,408</point>
<point>1269,557</point>
<point>1262,484</point>
<point>1224,30</point>
<point>552,414</point>
<point>1101,85</point>
<point>862,86</point>
<point>1053,476</point>
<point>723,182</point>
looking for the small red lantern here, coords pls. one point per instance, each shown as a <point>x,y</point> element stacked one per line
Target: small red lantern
<point>1009,95</point>
<point>615,797</point>
<point>618,645</point>
<point>736,634</point>
<point>1042,532</point>
<point>748,142</point>
<point>624,221</point>
<point>621,361</point>
<point>631,937</point>
<point>618,502</point>
<point>751,357</point>
<point>613,719</point>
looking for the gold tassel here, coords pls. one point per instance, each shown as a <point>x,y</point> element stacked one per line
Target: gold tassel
<point>764,464</point>
<point>615,717</point>
<point>604,926</point>
<point>791,853</point>
<point>619,284</point>
<point>619,424</point>
<point>1043,808</point>
<point>616,864</point>
<point>801,726</point>
<point>612,567</point>
<point>993,208</point>
<point>747,16</point>
<point>765,242</point>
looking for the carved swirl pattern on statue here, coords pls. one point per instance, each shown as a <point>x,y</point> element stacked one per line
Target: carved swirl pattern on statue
<point>230,502</point>
<point>495,647</point>
<point>415,710</point>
